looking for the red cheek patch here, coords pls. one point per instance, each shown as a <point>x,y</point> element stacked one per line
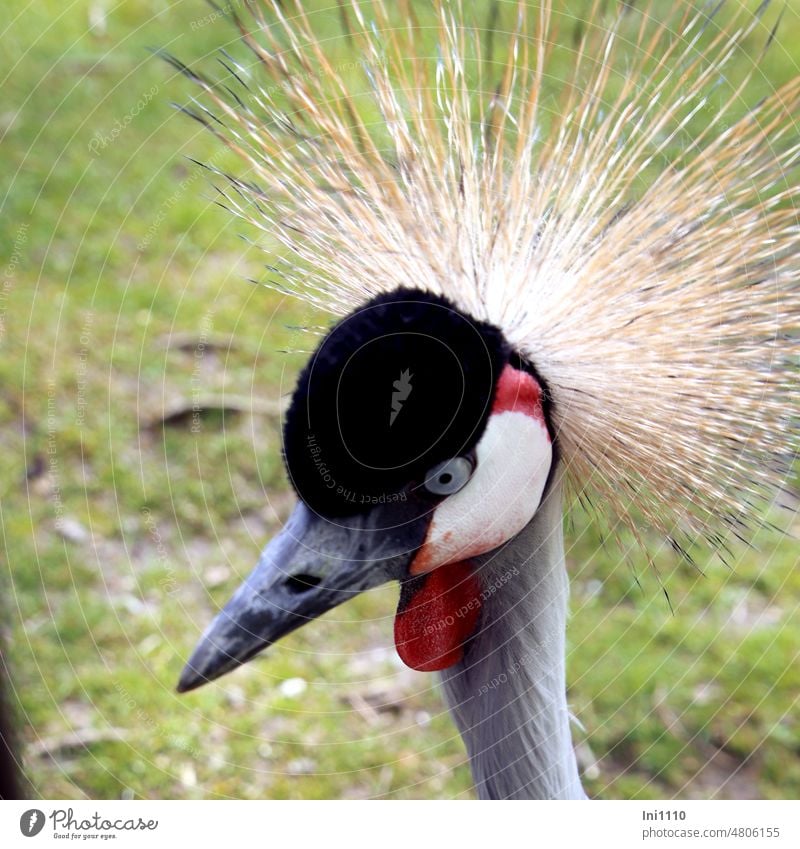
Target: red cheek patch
<point>518,392</point>
<point>434,621</point>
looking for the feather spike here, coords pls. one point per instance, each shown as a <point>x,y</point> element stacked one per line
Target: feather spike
<point>627,222</point>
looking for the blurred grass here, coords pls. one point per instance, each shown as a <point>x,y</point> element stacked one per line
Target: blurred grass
<point>123,296</point>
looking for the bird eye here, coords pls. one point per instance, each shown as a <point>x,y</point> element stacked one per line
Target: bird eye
<point>448,477</point>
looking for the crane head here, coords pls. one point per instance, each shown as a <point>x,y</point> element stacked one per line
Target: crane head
<point>416,441</point>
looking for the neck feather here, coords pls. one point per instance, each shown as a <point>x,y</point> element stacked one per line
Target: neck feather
<point>508,694</point>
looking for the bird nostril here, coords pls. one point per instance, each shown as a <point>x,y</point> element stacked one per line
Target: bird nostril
<point>301,583</point>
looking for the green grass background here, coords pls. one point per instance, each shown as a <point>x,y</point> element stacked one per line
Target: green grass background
<point>123,295</point>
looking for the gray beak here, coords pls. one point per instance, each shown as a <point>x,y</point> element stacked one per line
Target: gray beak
<point>312,565</point>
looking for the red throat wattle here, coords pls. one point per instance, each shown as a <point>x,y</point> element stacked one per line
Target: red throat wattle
<point>433,624</point>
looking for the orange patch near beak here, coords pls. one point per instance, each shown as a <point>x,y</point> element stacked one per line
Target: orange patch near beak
<point>437,614</point>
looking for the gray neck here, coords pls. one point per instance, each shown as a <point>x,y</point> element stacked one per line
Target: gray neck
<point>508,694</point>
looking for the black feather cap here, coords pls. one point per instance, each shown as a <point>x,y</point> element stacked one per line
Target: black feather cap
<point>404,382</point>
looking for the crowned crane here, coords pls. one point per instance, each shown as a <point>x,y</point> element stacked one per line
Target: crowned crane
<point>540,289</point>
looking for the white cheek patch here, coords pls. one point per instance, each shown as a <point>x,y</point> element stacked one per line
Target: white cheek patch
<point>513,461</point>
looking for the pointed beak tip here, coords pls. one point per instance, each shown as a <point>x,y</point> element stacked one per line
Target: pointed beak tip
<point>211,661</point>
<point>183,686</point>
<point>190,679</point>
